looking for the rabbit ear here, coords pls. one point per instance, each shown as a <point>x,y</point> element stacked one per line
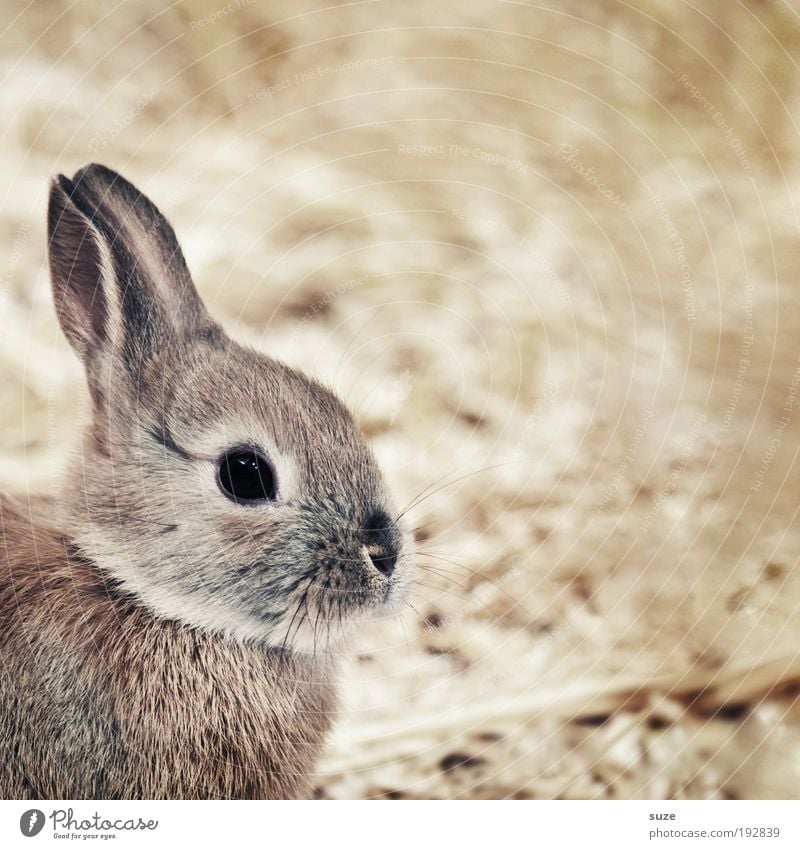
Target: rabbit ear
<point>120,281</point>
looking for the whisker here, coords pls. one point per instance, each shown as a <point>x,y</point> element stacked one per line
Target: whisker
<point>424,494</point>
<point>442,574</point>
<point>411,605</point>
<point>429,567</point>
<point>300,603</point>
<point>430,593</point>
<point>450,554</point>
<point>472,572</point>
<point>403,626</point>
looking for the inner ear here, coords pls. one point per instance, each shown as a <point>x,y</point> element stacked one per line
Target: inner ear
<point>76,263</point>
<point>119,277</point>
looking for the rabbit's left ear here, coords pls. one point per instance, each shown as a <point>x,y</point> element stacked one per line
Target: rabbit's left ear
<point>120,282</point>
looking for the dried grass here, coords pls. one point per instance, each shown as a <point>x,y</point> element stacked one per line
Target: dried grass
<point>601,376</point>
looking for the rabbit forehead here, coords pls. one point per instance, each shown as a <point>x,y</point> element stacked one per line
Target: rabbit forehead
<point>234,396</point>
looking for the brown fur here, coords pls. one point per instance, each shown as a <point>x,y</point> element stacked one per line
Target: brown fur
<point>162,639</point>
<point>102,700</point>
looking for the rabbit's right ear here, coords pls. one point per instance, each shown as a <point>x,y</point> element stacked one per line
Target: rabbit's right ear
<point>120,282</point>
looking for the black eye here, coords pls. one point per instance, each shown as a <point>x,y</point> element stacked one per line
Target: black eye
<point>245,475</point>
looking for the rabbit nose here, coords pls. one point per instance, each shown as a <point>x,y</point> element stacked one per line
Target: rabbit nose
<point>380,537</point>
<point>384,562</point>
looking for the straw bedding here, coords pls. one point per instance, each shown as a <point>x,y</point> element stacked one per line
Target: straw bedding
<point>548,253</point>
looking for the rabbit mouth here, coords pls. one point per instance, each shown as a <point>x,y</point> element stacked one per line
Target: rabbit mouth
<point>337,598</point>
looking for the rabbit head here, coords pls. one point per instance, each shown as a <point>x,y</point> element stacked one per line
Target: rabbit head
<point>219,487</point>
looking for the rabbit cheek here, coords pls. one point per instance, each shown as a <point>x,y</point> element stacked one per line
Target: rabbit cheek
<point>352,584</point>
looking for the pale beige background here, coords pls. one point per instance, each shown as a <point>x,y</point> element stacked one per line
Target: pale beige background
<point>579,305</point>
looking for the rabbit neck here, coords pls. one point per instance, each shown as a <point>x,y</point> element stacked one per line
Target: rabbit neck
<point>126,705</point>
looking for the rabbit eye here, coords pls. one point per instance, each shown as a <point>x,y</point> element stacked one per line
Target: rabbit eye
<point>244,475</point>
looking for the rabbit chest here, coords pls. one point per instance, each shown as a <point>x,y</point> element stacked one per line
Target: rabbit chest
<point>98,699</point>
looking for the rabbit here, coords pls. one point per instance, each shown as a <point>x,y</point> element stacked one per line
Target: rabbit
<point>170,620</point>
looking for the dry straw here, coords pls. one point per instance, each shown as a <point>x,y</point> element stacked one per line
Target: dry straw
<point>613,302</point>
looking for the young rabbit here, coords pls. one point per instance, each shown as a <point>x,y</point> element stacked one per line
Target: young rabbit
<point>168,622</point>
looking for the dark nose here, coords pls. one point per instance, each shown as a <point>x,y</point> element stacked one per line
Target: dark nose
<point>380,537</point>
<point>384,563</point>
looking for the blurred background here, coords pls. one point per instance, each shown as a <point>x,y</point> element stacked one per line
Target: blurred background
<point>548,253</point>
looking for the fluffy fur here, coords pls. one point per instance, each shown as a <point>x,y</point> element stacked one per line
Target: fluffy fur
<point>407,200</point>
<point>101,700</point>
<point>160,639</point>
